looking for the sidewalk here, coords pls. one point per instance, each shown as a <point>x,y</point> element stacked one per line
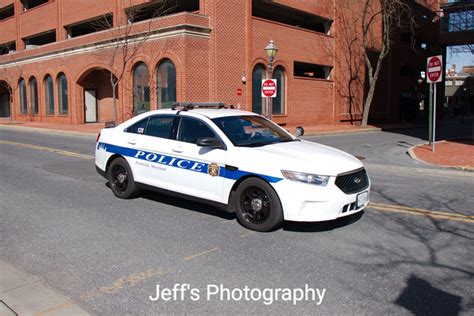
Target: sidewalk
<point>456,153</point>
<point>96,127</point>
<point>23,294</point>
<point>84,128</point>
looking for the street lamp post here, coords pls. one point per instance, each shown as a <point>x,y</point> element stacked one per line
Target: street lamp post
<point>271,51</point>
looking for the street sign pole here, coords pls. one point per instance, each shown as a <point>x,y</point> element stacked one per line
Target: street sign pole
<point>434,70</point>
<point>430,115</point>
<point>434,120</point>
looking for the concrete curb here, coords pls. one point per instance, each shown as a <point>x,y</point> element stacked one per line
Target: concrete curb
<point>412,155</point>
<point>26,295</point>
<point>339,132</point>
<point>50,131</point>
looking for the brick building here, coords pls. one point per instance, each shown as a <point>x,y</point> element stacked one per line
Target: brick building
<point>57,58</point>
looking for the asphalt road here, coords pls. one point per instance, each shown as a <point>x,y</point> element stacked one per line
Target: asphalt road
<point>409,252</point>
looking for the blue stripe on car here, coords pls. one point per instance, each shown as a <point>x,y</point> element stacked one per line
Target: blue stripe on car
<point>181,163</point>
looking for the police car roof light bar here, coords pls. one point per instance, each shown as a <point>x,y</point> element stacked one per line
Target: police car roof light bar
<point>185,106</point>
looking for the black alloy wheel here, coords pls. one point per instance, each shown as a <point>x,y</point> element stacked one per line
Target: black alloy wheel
<point>257,205</point>
<point>121,179</point>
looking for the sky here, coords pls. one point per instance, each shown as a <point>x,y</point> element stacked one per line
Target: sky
<point>460,59</point>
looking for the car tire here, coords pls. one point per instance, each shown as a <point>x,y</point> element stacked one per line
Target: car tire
<point>121,179</point>
<point>257,205</point>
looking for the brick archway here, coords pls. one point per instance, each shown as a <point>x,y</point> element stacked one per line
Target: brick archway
<point>94,89</point>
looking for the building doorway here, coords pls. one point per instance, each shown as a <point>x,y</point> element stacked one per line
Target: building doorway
<point>98,98</point>
<point>90,105</point>
<point>4,100</point>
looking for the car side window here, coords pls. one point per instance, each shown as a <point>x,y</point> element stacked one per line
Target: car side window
<point>191,129</point>
<point>138,127</point>
<point>160,126</point>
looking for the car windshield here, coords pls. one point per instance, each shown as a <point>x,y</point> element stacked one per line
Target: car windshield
<point>251,131</point>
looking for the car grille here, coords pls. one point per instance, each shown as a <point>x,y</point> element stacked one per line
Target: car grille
<point>353,181</point>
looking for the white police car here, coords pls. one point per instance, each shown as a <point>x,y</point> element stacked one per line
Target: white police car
<point>234,159</point>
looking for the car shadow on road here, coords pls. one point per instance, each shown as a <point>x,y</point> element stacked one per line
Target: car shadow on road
<point>186,204</point>
<point>314,227</point>
<point>304,227</point>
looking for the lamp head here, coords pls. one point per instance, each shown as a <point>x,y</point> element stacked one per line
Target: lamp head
<point>271,49</point>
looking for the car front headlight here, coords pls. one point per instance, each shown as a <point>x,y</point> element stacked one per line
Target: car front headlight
<point>306,177</point>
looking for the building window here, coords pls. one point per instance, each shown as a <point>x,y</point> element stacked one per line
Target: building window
<point>270,10</point>
<point>23,103</point>
<point>7,48</point>
<point>40,39</point>
<point>308,70</point>
<point>7,12</point>
<point>257,75</point>
<point>93,25</point>
<point>49,94</point>
<point>155,9</point>
<point>33,96</point>
<point>30,4</point>
<point>278,106</point>
<point>165,84</point>
<point>141,89</point>
<point>62,94</point>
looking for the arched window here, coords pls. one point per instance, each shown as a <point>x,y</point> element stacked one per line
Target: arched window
<point>33,96</point>
<point>165,84</point>
<point>62,94</point>
<point>23,103</point>
<point>278,102</point>
<point>141,89</point>
<point>48,94</point>
<point>257,101</point>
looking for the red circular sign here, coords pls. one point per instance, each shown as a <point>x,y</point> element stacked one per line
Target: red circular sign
<point>434,69</point>
<point>269,88</point>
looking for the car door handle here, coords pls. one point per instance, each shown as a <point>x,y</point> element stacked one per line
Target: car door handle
<point>132,141</point>
<point>178,149</point>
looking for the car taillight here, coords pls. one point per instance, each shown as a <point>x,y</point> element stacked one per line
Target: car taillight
<point>98,137</point>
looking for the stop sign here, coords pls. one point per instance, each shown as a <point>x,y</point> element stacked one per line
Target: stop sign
<point>434,69</point>
<point>269,87</point>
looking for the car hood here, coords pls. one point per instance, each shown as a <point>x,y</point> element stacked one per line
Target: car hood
<point>305,156</point>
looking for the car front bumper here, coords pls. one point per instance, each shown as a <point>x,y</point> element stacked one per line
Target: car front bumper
<point>311,203</point>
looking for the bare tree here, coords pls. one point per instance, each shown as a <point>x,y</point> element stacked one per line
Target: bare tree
<point>11,83</point>
<point>127,39</point>
<point>388,17</point>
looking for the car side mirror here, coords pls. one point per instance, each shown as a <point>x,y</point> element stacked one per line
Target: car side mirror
<point>299,131</point>
<point>209,142</point>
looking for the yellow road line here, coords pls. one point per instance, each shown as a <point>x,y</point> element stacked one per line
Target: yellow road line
<point>54,309</point>
<point>201,253</point>
<point>419,210</point>
<point>245,234</point>
<point>422,212</point>
<point>49,149</point>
